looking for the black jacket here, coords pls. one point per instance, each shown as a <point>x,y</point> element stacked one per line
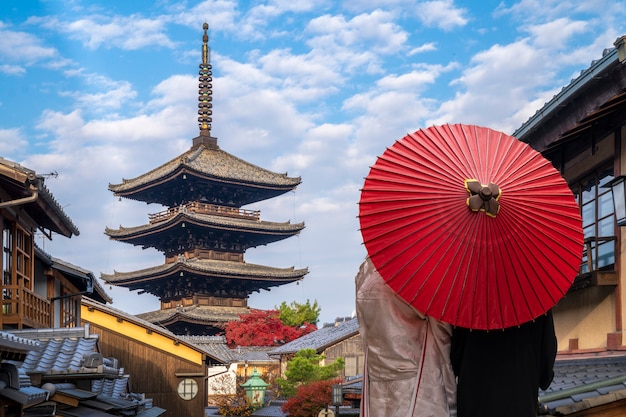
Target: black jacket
<point>500,371</point>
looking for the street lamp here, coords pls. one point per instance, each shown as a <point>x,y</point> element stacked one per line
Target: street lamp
<point>618,187</point>
<point>337,397</point>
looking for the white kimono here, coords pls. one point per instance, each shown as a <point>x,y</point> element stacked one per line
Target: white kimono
<point>407,355</point>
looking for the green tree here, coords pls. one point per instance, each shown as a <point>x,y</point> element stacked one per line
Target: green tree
<point>305,368</point>
<point>296,314</point>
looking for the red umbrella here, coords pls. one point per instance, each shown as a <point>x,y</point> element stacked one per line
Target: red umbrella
<point>471,226</point>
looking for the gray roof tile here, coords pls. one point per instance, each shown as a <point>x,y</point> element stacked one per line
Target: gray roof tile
<point>321,338</point>
<point>578,383</point>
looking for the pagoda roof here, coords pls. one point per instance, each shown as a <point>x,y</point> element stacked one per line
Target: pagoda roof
<point>175,230</point>
<point>208,166</point>
<point>206,276</point>
<point>195,314</point>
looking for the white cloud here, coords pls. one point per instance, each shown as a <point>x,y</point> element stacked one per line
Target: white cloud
<point>442,14</point>
<point>11,140</point>
<point>23,47</point>
<point>556,33</point>
<point>125,32</point>
<point>12,69</point>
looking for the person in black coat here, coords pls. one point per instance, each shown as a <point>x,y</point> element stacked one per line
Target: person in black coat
<point>499,372</point>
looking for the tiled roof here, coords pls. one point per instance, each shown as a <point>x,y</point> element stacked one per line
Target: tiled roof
<point>15,344</point>
<point>211,162</point>
<point>61,356</point>
<point>229,269</point>
<point>586,77</point>
<point>321,338</point>
<point>216,345</point>
<point>19,182</point>
<point>580,384</point>
<point>71,353</point>
<point>209,221</point>
<point>77,275</point>
<point>195,313</point>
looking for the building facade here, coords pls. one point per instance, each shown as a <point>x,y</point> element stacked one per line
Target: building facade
<point>38,290</point>
<point>582,131</point>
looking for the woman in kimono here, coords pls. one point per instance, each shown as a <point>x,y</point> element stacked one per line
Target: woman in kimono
<point>407,355</point>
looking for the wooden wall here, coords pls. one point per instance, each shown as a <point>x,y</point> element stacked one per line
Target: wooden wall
<point>153,372</point>
<point>351,350</point>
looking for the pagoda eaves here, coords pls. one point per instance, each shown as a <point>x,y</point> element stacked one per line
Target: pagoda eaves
<point>187,230</point>
<point>195,319</point>
<point>205,276</point>
<point>206,174</point>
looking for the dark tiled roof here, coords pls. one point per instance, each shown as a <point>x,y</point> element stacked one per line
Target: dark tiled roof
<point>580,384</point>
<point>19,182</point>
<point>72,353</point>
<point>321,338</point>
<point>209,221</point>
<point>230,269</point>
<point>212,162</point>
<point>215,345</point>
<point>554,106</point>
<point>77,275</point>
<point>9,342</point>
<point>195,313</point>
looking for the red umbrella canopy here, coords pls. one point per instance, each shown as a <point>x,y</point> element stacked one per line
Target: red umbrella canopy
<point>471,226</point>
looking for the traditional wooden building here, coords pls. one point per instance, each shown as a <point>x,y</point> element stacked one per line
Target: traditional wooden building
<point>582,130</point>
<point>204,232</point>
<point>37,289</point>
<point>172,371</point>
<point>340,339</point>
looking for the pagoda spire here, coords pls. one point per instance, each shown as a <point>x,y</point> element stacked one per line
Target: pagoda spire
<point>205,94</point>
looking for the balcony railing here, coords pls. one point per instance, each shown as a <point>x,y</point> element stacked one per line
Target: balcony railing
<point>598,263</point>
<point>202,208</point>
<point>23,307</point>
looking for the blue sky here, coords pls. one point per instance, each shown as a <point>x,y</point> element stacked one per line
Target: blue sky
<point>97,91</point>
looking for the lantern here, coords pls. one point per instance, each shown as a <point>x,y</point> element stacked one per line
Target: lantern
<point>255,389</point>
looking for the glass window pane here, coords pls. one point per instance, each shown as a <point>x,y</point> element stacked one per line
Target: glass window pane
<point>606,254</point>
<point>589,190</point>
<point>606,227</point>
<point>589,214</point>
<point>605,204</point>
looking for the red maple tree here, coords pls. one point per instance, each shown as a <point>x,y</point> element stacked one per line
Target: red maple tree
<point>263,328</point>
<point>310,399</point>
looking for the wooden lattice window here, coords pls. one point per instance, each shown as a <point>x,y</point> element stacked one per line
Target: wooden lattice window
<point>23,257</point>
<point>69,311</point>
<point>17,264</point>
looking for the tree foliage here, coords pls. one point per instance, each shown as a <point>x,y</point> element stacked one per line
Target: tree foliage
<point>262,328</point>
<point>296,314</point>
<point>310,399</point>
<point>305,368</point>
<point>235,406</point>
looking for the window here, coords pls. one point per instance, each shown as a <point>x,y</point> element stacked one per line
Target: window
<point>17,263</point>
<point>69,310</point>
<point>187,388</point>
<point>598,215</point>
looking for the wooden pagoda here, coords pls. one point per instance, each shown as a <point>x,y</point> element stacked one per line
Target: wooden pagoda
<point>204,232</point>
